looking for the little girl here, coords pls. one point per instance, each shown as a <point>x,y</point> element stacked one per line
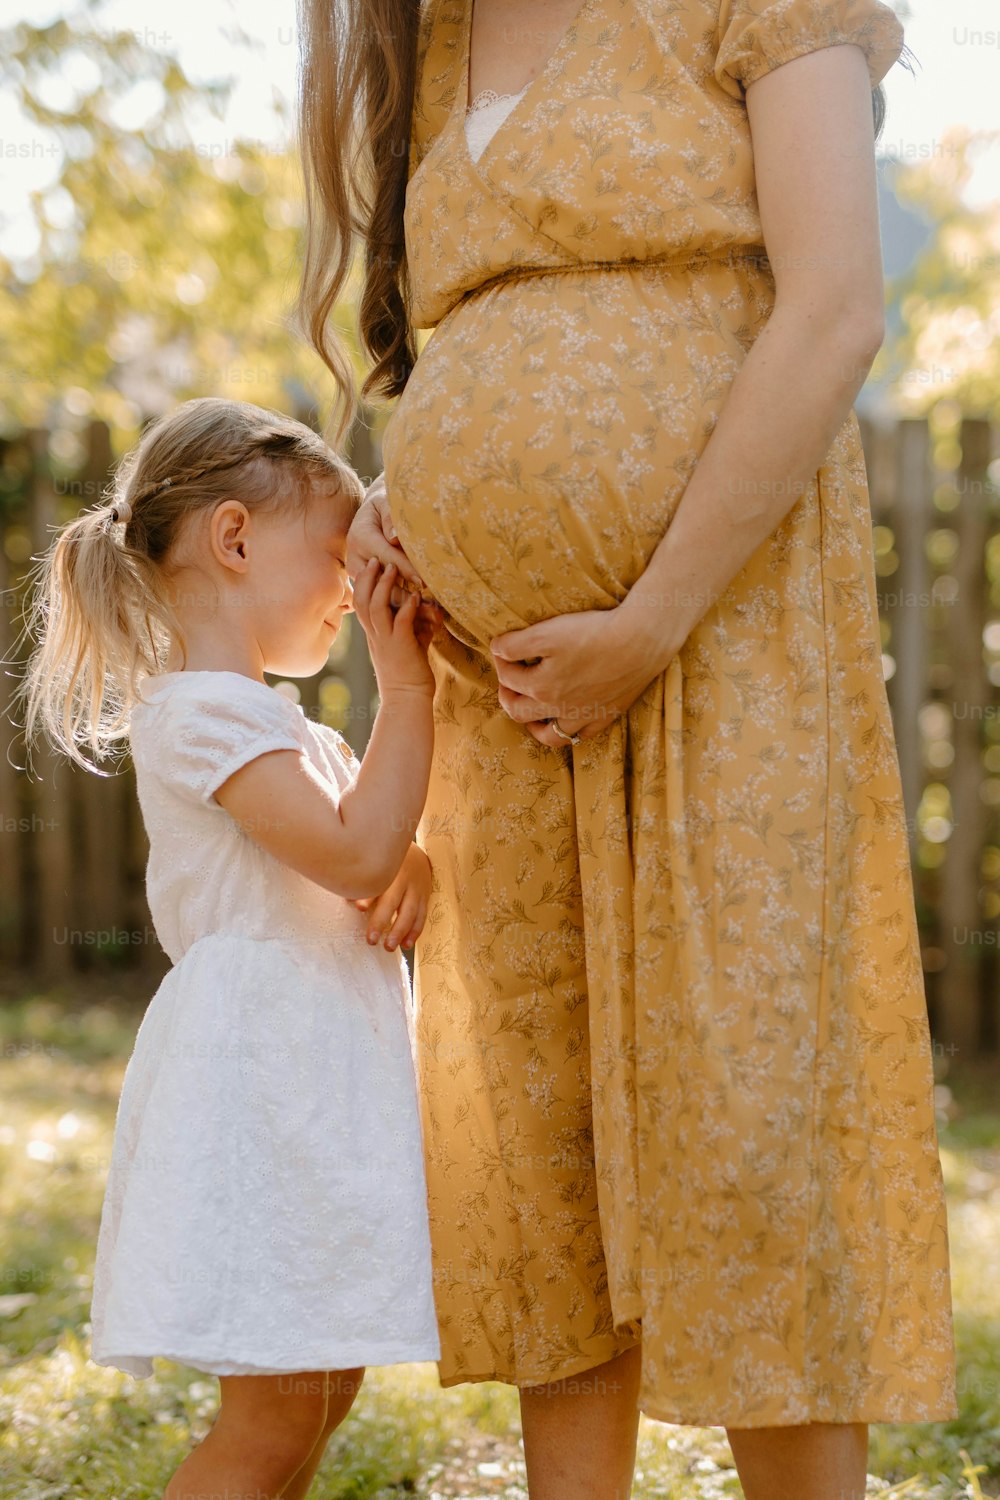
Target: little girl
<point>265,1215</point>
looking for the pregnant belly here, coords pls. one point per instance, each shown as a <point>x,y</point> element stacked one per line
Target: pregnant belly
<point>549,428</point>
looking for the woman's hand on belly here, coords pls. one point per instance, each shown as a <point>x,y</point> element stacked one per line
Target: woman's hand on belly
<point>372,534</point>
<point>590,670</point>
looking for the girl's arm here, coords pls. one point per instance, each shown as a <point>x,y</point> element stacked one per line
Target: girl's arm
<point>353,843</point>
<point>353,846</point>
<point>811,122</point>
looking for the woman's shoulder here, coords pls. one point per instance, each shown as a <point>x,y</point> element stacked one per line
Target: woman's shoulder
<point>756,36</point>
<point>440,28</point>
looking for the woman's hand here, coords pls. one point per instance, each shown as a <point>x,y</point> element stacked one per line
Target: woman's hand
<point>405,900</point>
<point>372,534</point>
<point>589,668</point>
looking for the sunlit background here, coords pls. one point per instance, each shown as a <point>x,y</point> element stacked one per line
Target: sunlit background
<point>252,43</point>
<point>150,216</point>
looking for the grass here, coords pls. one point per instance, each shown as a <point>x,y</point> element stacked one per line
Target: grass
<point>69,1428</point>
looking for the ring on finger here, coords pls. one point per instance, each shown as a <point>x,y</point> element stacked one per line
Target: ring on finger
<point>572,739</point>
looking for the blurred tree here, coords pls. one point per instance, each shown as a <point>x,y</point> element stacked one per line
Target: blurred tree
<point>166,265</point>
<point>948,344</point>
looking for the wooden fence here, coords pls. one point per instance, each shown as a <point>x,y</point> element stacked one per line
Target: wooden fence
<point>936,514</point>
<point>72,846</point>
<point>74,851</point>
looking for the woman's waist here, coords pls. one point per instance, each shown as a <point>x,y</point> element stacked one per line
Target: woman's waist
<point>568,395</point>
<point>433,305</point>
<point>688,261</point>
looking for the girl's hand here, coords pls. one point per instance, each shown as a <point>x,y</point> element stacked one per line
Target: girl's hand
<point>588,668</point>
<point>372,534</point>
<point>398,655</point>
<point>402,909</point>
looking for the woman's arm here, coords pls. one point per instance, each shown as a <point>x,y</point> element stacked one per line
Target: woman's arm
<point>811,124</point>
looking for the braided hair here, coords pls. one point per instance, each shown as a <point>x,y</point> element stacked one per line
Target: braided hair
<point>99,607</point>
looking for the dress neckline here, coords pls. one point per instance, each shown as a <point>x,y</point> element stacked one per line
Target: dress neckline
<point>486,97</point>
<point>156,681</point>
<point>551,62</point>
<point>204,672</point>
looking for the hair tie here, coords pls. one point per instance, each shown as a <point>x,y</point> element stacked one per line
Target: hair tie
<point>121,511</point>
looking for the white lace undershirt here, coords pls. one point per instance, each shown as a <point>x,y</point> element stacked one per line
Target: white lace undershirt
<point>484,116</point>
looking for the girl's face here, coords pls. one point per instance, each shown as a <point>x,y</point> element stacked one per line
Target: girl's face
<point>297,579</point>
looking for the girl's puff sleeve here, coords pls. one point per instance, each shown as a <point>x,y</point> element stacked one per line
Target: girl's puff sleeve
<point>213,728</point>
<point>756,36</point>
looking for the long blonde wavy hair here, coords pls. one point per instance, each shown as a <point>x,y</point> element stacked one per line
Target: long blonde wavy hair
<point>99,605</point>
<point>356,90</point>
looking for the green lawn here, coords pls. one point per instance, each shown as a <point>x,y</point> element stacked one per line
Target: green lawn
<point>68,1428</point>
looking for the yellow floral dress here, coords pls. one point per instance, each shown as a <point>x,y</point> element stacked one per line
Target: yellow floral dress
<point>672,1038</point>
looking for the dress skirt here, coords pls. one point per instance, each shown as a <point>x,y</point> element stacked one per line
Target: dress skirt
<point>265,1209</point>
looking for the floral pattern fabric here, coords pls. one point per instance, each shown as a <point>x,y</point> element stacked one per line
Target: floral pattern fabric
<point>673,1051</point>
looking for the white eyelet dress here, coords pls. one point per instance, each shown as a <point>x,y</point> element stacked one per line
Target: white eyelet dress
<point>266,1208</point>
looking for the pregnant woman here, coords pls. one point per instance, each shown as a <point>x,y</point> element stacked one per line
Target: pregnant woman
<point>673,1046</point>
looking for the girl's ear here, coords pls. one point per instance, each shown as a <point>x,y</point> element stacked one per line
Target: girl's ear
<point>228,529</point>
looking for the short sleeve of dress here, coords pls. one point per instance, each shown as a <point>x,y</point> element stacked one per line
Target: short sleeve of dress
<point>756,36</point>
<point>213,727</point>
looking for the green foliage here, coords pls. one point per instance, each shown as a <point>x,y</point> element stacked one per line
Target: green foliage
<point>167,264</point>
<point>950,299</point>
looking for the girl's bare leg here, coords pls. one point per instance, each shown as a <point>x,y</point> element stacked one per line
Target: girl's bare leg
<point>824,1460</point>
<point>343,1386</point>
<point>266,1429</point>
<point>580,1433</point>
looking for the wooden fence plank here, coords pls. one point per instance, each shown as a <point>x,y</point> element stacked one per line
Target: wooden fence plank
<point>961,911</point>
<point>49,844</point>
<point>11,831</point>
<point>77,865</point>
<point>912,516</point>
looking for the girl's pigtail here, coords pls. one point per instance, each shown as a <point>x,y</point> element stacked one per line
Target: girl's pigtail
<point>100,606</point>
<point>96,613</point>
